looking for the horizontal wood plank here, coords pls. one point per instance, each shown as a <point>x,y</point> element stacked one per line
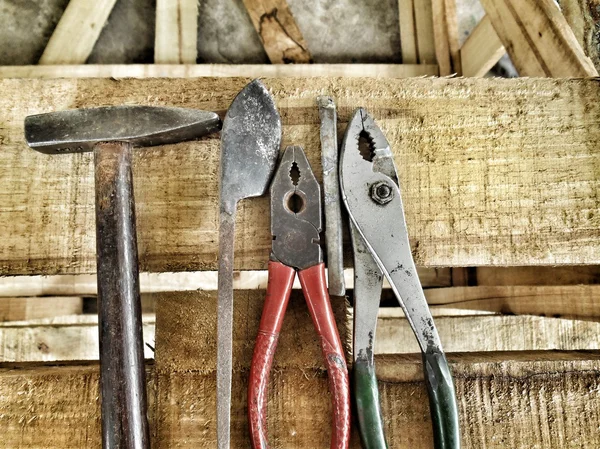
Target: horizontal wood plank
<point>575,301</point>
<point>534,399</point>
<point>219,70</point>
<point>59,339</point>
<point>482,167</point>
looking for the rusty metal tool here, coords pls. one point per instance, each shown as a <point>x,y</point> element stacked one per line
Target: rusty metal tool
<point>371,194</point>
<point>110,133</point>
<point>250,143</point>
<point>331,195</point>
<point>295,227</point>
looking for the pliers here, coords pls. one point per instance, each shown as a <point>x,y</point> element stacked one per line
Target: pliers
<point>295,227</point>
<point>371,194</point>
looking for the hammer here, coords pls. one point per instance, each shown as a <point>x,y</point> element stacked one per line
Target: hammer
<point>111,133</point>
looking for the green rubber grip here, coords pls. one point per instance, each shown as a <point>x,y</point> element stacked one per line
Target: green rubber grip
<point>368,410</point>
<point>442,401</point>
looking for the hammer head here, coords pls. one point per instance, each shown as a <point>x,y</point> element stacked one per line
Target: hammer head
<point>78,130</point>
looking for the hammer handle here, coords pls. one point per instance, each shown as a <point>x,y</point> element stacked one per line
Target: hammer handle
<point>122,376</point>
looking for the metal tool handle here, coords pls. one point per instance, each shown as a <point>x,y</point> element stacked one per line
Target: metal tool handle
<point>319,306</point>
<point>368,410</point>
<point>442,401</point>
<point>122,376</point>
<point>281,278</point>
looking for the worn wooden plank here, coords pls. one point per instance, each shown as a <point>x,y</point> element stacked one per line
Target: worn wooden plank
<point>278,31</point>
<point>59,339</point>
<point>453,35</point>
<point>54,407</point>
<point>86,284</point>
<point>583,16</point>
<point>533,399</point>
<point>558,275</point>
<point>482,333</point>
<point>461,147</point>
<point>20,309</point>
<point>77,32</point>
<point>538,38</point>
<point>218,70</point>
<point>581,301</point>
<point>408,34</point>
<point>425,32</point>
<point>176,36</point>
<point>482,49</point>
<point>440,35</point>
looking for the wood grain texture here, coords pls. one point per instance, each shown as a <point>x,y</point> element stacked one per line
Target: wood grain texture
<point>578,301</point>
<point>558,275</point>
<point>493,172</point>
<point>59,339</point>
<point>220,70</point>
<point>176,36</point>
<point>54,407</point>
<point>531,400</point>
<point>482,49</point>
<point>483,333</point>
<point>21,309</point>
<point>77,32</point>
<point>425,32</point>
<point>440,37</point>
<point>278,31</point>
<point>583,16</point>
<point>538,38</point>
<point>408,33</point>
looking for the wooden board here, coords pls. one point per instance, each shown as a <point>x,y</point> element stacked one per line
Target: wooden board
<point>538,38</point>
<point>77,31</point>
<point>59,339</point>
<point>488,333</point>
<point>580,301</point>
<point>532,399</point>
<point>482,49</point>
<point>425,32</point>
<point>559,275</point>
<point>278,31</point>
<point>176,36</point>
<point>20,309</point>
<point>221,70</point>
<point>408,33</point>
<point>482,167</point>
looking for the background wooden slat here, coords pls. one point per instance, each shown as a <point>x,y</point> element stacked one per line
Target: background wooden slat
<point>176,37</point>
<point>482,49</point>
<point>481,164</point>
<point>20,309</point>
<point>77,32</point>
<point>425,32</point>
<point>408,42</point>
<point>221,70</point>
<point>582,301</point>
<point>538,38</point>
<point>281,38</point>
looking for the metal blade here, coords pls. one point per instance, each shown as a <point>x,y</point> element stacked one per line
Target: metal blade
<point>78,130</point>
<point>368,281</point>
<point>331,190</point>
<point>250,143</point>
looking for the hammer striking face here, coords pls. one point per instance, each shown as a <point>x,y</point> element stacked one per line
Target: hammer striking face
<point>78,130</point>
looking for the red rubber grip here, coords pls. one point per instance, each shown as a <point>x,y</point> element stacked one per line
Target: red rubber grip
<point>281,278</point>
<point>319,306</point>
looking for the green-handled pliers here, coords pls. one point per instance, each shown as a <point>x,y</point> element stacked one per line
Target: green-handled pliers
<point>371,194</point>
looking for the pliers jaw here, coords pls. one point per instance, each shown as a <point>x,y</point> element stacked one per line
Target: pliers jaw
<point>295,212</point>
<point>355,164</point>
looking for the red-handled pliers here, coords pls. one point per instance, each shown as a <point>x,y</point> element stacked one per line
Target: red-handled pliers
<point>295,226</point>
